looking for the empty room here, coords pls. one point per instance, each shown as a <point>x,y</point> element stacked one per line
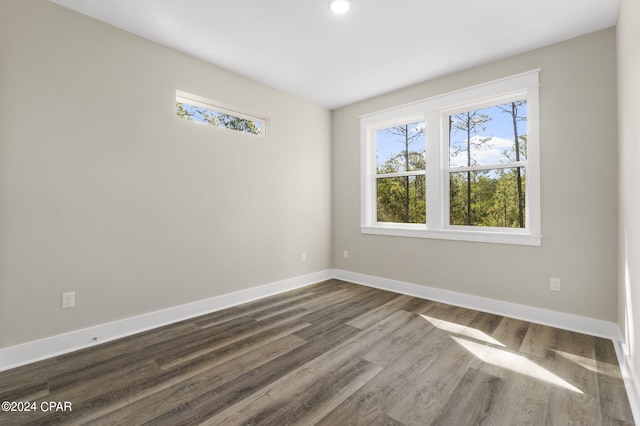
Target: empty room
<point>344,212</point>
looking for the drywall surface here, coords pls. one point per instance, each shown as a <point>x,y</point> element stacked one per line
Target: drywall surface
<point>105,192</point>
<point>628,32</point>
<point>578,136</point>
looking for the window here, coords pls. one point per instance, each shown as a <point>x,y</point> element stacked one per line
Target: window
<point>487,165</point>
<point>205,111</point>
<point>400,180</point>
<point>462,166</point>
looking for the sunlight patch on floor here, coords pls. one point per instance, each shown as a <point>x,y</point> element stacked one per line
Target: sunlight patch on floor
<point>514,362</point>
<point>462,330</point>
<point>588,363</point>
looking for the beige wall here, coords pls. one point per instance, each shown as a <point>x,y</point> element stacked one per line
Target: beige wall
<point>103,191</point>
<point>628,32</point>
<point>579,197</point>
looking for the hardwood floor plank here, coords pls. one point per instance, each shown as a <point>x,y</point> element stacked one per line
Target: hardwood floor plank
<point>285,311</point>
<point>571,407</point>
<point>121,384</point>
<point>521,401</point>
<point>326,393</point>
<point>575,363</point>
<point>260,310</point>
<point>577,345</point>
<point>510,333</point>
<point>420,401</point>
<point>300,397</point>
<point>258,307</point>
<point>419,306</point>
<point>424,396</point>
<point>26,374</point>
<point>613,400</point>
<point>213,344</point>
<point>255,408</point>
<point>447,317</point>
<point>337,303</point>
<point>360,343</point>
<point>400,303</point>
<point>155,402</point>
<point>469,326</point>
<point>27,391</point>
<point>218,399</point>
<point>606,359</point>
<point>342,312</point>
<point>107,392</point>
<point>207,340</point>
<point>540,341</point>
<point>106,353</point>
<point>84,358</point>
<point>477,393</point>
<point>486,323</point>
<point>371,402</point>
<point>333,353</point>
<point>388,350</point>
<point>126,354</point>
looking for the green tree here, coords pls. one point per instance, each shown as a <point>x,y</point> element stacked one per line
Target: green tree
<point>214,118</point>
<point>512,110</point>
<point>509,206</point>
<point>393,193</point>
<point>402,199</point>
<point>470,123</point>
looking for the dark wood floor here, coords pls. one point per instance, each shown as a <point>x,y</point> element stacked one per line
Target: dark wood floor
<point>333,353</point>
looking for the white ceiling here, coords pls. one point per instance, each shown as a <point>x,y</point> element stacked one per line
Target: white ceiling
<point>300,47</point>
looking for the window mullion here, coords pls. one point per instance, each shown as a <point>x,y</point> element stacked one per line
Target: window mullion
<point>433,175</point>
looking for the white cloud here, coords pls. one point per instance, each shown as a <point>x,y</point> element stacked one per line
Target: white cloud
<point>489,152</point>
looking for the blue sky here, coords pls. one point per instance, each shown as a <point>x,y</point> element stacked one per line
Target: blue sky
<point>499,128</point>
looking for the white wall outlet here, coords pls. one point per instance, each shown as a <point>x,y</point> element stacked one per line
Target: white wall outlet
<point>346,254</point>
<point>68,300</point>
<point>554,284</point>
<point>303,257</point>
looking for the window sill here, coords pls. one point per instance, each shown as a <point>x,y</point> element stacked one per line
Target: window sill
<point>420,231</point>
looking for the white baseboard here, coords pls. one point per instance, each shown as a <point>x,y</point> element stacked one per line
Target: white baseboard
<point>631,382</point>
<point>15,356</point>
<point>594,327</point>
<point>591,326</point>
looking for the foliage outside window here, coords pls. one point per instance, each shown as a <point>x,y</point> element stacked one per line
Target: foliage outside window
<point>463,165</point>
<point>205,111</point>
<point>400,180</point>
<point>487,166</point>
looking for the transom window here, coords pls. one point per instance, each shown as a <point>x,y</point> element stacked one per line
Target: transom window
<point>205,111</point>
<point>463,166</point>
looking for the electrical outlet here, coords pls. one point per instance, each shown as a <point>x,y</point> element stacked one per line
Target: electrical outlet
<point>68,300</point>
<point>554,284</point>
<point>346,254</point>
<point>303,257</point>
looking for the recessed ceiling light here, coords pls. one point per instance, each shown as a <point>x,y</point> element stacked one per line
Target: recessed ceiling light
<point>339,6</point>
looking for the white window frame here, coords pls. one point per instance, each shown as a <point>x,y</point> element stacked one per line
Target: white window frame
<point>435,112</point>
<point>387,125</point>
<point>209,104</point>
